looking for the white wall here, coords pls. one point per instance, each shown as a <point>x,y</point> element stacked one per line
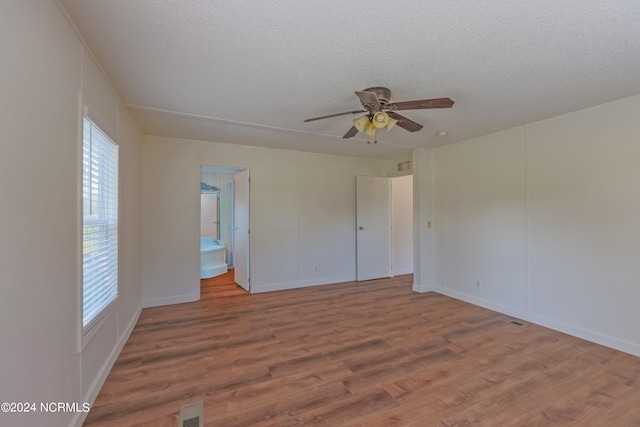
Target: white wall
<point>546,217</point>
<point>423,216</point>
<point>402,225</point>
<point>481,215</point>
<point>302,215</point>
<point>42,85</point>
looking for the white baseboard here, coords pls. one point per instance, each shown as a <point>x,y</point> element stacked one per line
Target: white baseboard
<point>178,299</point>
<point>417,287</point>
<point>576,331</point>
<point>99,380</point>
<point>503,309</point>
<point>401,271</point>
<point>301,284</point>
<point>586,334</point>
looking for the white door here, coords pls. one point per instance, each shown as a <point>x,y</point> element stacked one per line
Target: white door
<point>373,223</point>
<point>209,215</point>
<point>241,229</point>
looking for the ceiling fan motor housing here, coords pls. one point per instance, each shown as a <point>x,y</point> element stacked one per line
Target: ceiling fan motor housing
<point>383,94</point>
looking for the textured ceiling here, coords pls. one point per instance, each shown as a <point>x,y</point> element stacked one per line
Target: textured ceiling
<point>251,72</point>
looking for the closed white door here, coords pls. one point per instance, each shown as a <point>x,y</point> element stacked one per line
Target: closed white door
<point>209,215</point>
<point>373,223</point>
<point>241,229</point>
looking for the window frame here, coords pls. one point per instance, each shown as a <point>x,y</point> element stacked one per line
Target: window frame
<point>88,330</point>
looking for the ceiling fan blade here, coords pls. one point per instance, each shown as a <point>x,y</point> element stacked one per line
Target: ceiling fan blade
<point>369,100</point>
<point>421,104</point>
<point>335,115</point>
<point>351,132</point>
<point>405,123</point>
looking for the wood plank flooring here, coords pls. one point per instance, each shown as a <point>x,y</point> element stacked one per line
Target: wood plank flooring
<point>362,354</point>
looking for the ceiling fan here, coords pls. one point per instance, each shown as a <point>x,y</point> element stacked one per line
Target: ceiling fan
<point>380,113</point>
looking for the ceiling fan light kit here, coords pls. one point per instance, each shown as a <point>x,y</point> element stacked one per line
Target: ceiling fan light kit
<point>370,125</point>
<point>362,124</point>
<point>382,120</point>
<point>382,114</point>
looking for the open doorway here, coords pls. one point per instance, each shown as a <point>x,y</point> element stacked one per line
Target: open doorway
<point>224,224</point>
<point>402,225</point>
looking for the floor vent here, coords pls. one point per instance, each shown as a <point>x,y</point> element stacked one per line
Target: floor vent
<point>191,415</point>
<point>512,321</point>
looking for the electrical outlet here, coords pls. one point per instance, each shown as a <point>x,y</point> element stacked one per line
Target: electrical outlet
<point>478,283</point>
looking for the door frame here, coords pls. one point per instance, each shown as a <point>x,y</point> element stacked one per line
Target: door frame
<point>230,170</point>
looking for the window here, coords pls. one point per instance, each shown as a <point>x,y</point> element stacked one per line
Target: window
<point>99,223</point>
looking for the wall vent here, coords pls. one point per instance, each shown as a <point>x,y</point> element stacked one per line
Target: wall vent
<point>512,321</point>
<point>404,166</point>
<point>191,415</point>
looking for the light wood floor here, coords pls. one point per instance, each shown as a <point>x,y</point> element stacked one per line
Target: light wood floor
<point>359,354</point>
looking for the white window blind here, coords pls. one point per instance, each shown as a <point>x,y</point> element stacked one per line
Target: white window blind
<point>99,222</point>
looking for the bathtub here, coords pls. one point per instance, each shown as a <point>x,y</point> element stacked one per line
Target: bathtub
<point>212,258</point>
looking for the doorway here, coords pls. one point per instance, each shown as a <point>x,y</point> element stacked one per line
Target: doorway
<point>225,216</point>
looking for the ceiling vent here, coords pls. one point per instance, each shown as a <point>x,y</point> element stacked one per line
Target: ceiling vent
<point>191,415</point>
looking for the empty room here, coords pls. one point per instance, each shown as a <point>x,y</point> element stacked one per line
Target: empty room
<point>412,213</point>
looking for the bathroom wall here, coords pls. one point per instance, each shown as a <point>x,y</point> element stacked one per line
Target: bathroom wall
<point>222,180</point>
<point>47,76</point>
